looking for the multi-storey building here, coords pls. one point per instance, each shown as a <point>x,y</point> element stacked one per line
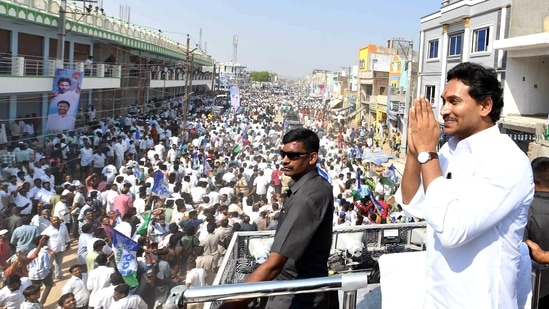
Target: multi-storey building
<point>525,114</point>
<point>383,83</point>
<point>131,64</point>
<point>461,31</point>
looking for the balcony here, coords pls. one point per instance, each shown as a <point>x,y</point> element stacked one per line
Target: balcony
<point>176,78</point>
<point>27,74</point>
<point>98,25</point>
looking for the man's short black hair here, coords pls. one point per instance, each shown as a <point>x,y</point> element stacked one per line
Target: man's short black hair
<point>123,289</point>
<point>540,169</point>
<point>309,139</point>
<point>64,79</point>
<point>63,101</point>
<point>483,83</point>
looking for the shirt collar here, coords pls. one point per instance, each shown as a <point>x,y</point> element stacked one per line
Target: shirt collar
<point>298,184</point>
<point>474,142</point>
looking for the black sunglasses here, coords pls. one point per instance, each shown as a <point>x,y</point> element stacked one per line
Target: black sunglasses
<point>292,155</point>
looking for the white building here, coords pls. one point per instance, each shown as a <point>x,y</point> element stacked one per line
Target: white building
<point>461,31</point>
<point>527,48</point>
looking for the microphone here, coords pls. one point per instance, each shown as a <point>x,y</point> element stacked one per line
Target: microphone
<point>449,175</point>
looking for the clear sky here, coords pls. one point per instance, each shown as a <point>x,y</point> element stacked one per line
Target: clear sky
<point>289,37</point>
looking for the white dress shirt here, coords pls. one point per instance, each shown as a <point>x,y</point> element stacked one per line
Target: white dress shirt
<point>130,302</point>
<point>476,216</point>
<point>98,279</point>
<point>77,286</point>
<point>13,299</point>
<point>59,238</point>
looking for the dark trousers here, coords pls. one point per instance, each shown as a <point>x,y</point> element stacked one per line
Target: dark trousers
<point>48,284</point>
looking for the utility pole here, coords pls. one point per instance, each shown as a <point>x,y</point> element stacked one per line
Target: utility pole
<point>408,98</point>
<point>61,35</point>
<point>213,74</point>
<point>186,102</point>
<point>188,51</point>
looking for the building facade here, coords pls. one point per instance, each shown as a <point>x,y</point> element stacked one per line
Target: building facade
<point>131,65</point>
<point>525,115</point>
<point>461,31</point>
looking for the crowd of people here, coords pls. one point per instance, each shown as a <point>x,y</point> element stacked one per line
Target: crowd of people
<point>179,188</point>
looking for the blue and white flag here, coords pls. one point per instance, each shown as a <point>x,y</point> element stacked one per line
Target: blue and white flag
<point>125,250</point>
<point>160,186</point>
<point>358,181</point>
<point>206,168</point>
<point>196,162</point>
<point>377,204</point>
<point>358,152</point>
<point>200,128</point>
<point>323,173</point>
<point>394,177</point>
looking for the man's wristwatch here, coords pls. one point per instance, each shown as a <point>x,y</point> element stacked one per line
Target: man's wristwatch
<point>426,156</point>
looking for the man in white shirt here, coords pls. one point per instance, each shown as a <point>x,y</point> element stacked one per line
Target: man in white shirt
<point>260,184</point>
<point>11,295</point>
<point>474,193</point>
<point>124,226</point>
<point>122,299</point>
<point>22,200</point>
<point>59,241</point>
<point>77,286</point>
<point>110,171</point>
<point>42,220</point>
<point>199,192</point>
<point>118,153</point>
<point>172,153</point>
<point>195,276</point>
<point>106,298</point>
<point>98,279</point>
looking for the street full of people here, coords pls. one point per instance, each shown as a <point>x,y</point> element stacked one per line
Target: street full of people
<point>178,190</point>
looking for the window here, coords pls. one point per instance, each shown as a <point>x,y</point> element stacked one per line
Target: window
<point>455,45</point>
<point>481,38</point>
<point>430,93</point>
<point>433,49</point>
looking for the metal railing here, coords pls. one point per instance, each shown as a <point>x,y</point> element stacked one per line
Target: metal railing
<point>349,283</point>
<point>26,66</point>
<point>353,248</point>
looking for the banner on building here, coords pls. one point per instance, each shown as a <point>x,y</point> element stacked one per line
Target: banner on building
<point>64,101</point>
<point>235,98</point>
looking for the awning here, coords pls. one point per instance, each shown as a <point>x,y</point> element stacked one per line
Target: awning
<point>333,103</point>
<point>351,115</point>
<point>336,110</point>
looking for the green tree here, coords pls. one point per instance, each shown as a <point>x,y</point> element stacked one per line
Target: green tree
<point>260,76</point>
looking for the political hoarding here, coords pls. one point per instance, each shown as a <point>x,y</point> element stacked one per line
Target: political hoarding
<point>64,100</point>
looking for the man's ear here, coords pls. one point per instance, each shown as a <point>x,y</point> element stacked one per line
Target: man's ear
<point>313,159</point>
<point>486,107</point>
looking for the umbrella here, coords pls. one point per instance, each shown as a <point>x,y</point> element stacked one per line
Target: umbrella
<point>377,157</point>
